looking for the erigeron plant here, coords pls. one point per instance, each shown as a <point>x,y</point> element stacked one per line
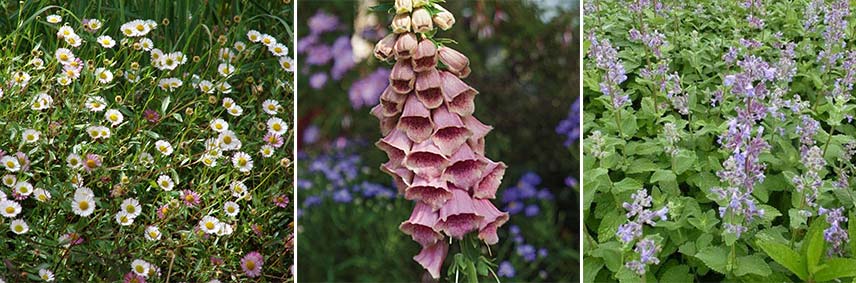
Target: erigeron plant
<point>434,143</point>
<point>128,149</point>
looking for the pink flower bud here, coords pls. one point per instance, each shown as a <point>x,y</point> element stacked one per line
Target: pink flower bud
<point>458,216</point>
<point>421,224</point>
<point>403,6</point>
<point>415,120</point>
<point>444,19</point>
<point>457,63</point>
<point>425,57</point>
<point>422,21</point>
<point>432,192</point>
<point>383,49</point>
<point>493,173</point>
<point>401,23</point>
<point>458,94</point>
<point>451,132</point>
<point>402,77</point>
<point>428,88</point>
<point>405,46</point>
<point>493,219</point>
<point>431,258</point>
<point>465,168</point>
<point>425,160</point>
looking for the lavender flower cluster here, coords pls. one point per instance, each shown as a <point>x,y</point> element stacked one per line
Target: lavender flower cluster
<point>629,232</point>
<point>524,196</point>
<point>570,127</point>
<point>606,58</point>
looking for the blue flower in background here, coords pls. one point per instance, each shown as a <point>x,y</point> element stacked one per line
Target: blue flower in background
<point>342,196</point>
<point>505,269</point>
<point>532,210</point>
<point>311,201</point>
<point>527,251</point>
<point>570,127</point>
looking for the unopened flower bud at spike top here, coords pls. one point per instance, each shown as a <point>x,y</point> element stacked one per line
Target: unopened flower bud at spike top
<point>383,49</point>
<point>458,63</point>
<point>401,23</point>
<point>420,3</point>
<point>422,21</point>
<point>444,19</point>
<point>405,46</point>
<point>403,6</point>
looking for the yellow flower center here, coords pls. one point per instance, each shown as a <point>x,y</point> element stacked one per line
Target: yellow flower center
<point>242,162</point>
<point>63,57</point>
<point>90,163</point>
<point>140,269</point>
<point>251,265</point>
<point>209,225</point>
<point>140,27</point>
<point>114,117</point>
<point>19,228</point>
<point>103,75</point>
<point>10,164</point>
<point>227,139</point>
<point>277,127</point>
<point>131,209</point>
<point>84,205</point>
<point>10,210</point>
<point>218,126</point>
<point>188,197</point>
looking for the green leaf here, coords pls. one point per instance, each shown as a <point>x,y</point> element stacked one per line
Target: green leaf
<point>165,104</point>
<point>715,257</point>
<point>684,161</point>
<point>783,255</point>
<point>675,273</point>
<point>851,230</point>
<point>610,252</point>
<point>641,165</point>
<point>836,268</point>
<point>752,264</point>
<point>609,225</point>
<point>626,185</point>
<point>816,245</point>
<point>705,222</point>
<point>663,176</point>
<point>591,266</point>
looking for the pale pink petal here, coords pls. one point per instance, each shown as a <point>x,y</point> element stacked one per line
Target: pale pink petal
<point>451,132</point>
<point>478,128</point>
<point>421,224</point>
<point>432,191</point>
<point>477,145</point>
<point>486,188</point>
<point>426,56</point>
<point>431,258</point>
<point>396,145</point>
<point>405,46</point>
<point>458,216</point>
<point>465,169</point>
<point>493,219</point>
<point>387,124</point>
<point>428,88</point>
<point>455,61</point>
<point>416,120</point>
<point>401,177</point>
<point>392,102</point>
<point>402,78</point>
<point>458,94</point>
<point>426,160</point>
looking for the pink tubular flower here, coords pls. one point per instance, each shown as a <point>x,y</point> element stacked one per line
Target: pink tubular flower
<point>252,264</point>
<point>435,146</point>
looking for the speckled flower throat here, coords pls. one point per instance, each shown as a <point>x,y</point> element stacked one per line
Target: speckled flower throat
<point>434,143</point>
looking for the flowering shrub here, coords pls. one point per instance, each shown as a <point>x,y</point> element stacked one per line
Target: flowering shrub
<point>140,149</point>
<point>718,141</point>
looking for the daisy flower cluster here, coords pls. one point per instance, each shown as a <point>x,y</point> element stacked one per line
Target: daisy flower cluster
<point>124,147</point>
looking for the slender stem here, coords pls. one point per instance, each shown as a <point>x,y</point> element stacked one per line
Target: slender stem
<point>828,140</point>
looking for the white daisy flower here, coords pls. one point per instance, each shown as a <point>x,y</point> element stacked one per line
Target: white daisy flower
<point>268,40</point>
<point>131,76</point>
<point>165,183</point>
<point>235,110</point>
<point>21,78</point>
<point>46,275</point>
<point>94,24</point>
<point>209,224</point>
<point>231,208</point>
<point>277,126</point>
<point>54,19</point>
<point>30,136</point>
<point>114,117</point>
<point>146,158</point>
<point>225,229</point>
<point>242,161</point>
<point>278,49</point>
<point>156,54</point>
<point>73,40</point>
<point>77,180</point>
<point>19,227</point>
<point>270,106</point>
<point>11,163</point>
<point>254,35</point>
<point>225,69</point>
<point>170,84</point>
<point>106,41</point>
<point>163,147</point>
<point>240,46</point>
<point>42,195</point>
<point>23,188</point>
<point>83,206</point>
<point>63,80</point>
<point>135,28</point>
<point>208,160</point>
<point>9,208</point>
<point>287,63</point>
<point>124,219</point>
<point>38,63</point>
<point>228,102</point>
<point>238,189</point>
<point>146,44</point>
<point>266,150</point>
<point>64,56</point>
<point>228,140</point>
<point>98,132</point>
<point>224,87</point>
<point>219,125</point>
<point>9,180</point>
<point>83,193</point>
<point>153,233</point>
<point>225,55</point>
<point>132,207</point>
<point>103,75</point>
<point>206,86</point>
<point>96,103</point>
<point>65,31</point>
<point>141,267</point>
<point>42,101</point>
